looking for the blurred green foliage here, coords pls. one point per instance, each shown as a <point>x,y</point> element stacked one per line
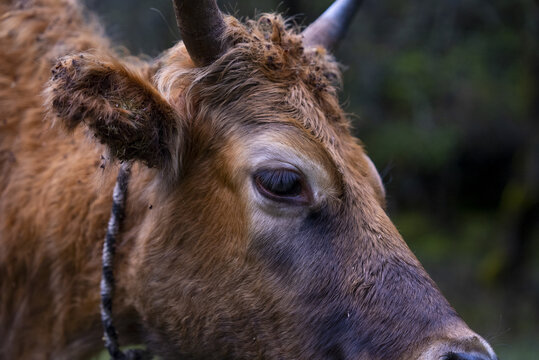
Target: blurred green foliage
<point>447,94</point>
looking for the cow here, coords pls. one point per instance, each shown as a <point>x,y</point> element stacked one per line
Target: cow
<point>254,224</point>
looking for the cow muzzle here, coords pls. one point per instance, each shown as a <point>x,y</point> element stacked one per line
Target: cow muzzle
<point>471,347</point>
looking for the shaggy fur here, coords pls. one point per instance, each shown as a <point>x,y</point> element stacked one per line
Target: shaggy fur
<point>119,108</point>
<point>205,269</point>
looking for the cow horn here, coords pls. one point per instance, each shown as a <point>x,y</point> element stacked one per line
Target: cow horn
<point>201,27</point>
<point>331,26</point>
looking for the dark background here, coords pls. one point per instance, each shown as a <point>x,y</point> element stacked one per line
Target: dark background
<point>447,101</point>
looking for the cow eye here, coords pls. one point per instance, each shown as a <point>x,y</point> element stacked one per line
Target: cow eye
<point>282,185</point>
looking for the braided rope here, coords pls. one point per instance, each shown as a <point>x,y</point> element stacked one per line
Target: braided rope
<point>107,277</point>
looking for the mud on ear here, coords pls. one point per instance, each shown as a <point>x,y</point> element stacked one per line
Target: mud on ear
<point>121,108</point>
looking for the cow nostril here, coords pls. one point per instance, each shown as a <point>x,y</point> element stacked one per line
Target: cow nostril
<point>467,356</point>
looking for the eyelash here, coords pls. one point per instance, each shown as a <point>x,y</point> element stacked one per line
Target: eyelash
<point>282,185</point>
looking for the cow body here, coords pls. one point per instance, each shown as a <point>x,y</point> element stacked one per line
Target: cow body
<point>52,210</point>
<point>210,264</point>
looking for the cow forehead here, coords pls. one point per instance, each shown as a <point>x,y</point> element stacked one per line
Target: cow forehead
<point>265,57</point>
<point>266,77</point>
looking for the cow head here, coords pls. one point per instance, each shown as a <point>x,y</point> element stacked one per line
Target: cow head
<point>268,236</point>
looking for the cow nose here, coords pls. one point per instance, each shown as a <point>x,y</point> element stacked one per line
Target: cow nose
<point>468,347</point>
<point>468,356</point>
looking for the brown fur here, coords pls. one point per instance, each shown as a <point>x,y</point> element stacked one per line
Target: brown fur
<point>202,271</point>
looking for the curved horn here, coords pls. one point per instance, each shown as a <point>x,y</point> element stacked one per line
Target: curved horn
<point>201,27</point>
<point>331,26</point>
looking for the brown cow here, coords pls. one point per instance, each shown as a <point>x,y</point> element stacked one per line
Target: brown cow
<point>255,223</point>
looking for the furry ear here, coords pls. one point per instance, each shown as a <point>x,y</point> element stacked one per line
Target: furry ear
<point>121,108</point>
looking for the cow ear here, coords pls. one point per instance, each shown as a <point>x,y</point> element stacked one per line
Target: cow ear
<point>119,107</point>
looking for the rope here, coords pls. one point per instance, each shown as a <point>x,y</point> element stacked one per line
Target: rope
<point>117,216</point>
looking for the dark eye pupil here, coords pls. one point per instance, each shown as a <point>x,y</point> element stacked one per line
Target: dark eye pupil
<point>282,183</point>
